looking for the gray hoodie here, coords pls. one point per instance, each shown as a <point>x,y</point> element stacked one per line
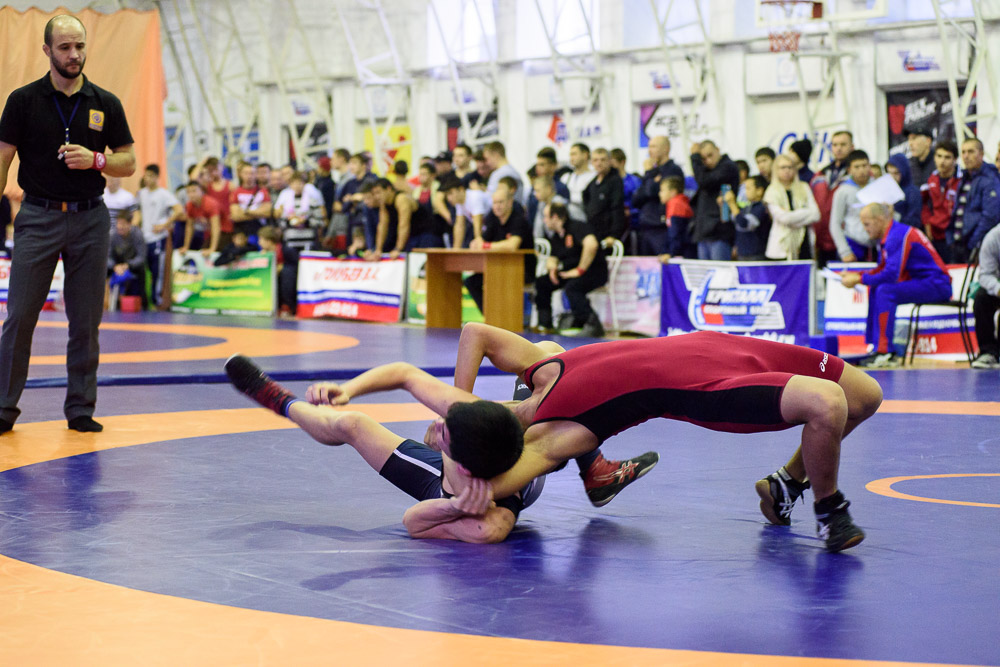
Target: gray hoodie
<point>845,218</point>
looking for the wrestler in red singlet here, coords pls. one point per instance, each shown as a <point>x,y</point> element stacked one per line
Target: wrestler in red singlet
<point>716,380</point>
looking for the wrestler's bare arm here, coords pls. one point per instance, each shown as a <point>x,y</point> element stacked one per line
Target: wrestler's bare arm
<point>456,518</point>
<point>546,445</point>
<point>507,351</point>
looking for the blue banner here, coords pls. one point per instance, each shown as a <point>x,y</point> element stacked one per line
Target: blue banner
<point>770,300</point>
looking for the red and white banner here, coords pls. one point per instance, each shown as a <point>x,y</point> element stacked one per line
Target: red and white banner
<point>351,289</point>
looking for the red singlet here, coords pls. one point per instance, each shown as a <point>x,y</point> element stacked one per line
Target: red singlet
<point>720,381</point>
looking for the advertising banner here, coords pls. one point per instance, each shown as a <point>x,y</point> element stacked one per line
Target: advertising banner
<point>351,289</point>
<point>846,312</point>
<point>416,293</point>
<point>54,301</point>
<point>242,287</point>
<point>761,299</point>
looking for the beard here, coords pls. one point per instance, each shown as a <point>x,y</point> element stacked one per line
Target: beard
<point>67,73</point>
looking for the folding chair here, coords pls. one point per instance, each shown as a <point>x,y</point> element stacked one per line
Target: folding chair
<point>961,304</point>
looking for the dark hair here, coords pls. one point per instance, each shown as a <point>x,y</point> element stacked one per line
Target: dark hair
<point>212,162</point>
<point>385,184</point>
<point>51,25</point>
<point>400,168</point>
<point>510,182</point>
<point>618,154</point>
<point>486,437</point>
<point>196,184</point>
<point>496,147</point>
<point>264,164</point>
<point>428,166</point>
<point>125,215</point>
<point>856,155</point>
<point>343,153</point>
<point>367,186</point>
<point>744,165</point>
<point>947,145</point>
<point>548,153</point>
<point>675,183</point>
<point>155,168</point>
<point>465,147</point>
<point>847,132</point>
<point>478,155</point>
<point>360,157</point>
<point>581,146</point>
<point>974,140</point>
<point>760,182</point>
<point>559,210</point>
<point>450,182</point>
<point>765,150</point>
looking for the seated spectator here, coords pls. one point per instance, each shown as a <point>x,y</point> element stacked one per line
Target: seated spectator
<point>505,228</point>
<point>471,207</point>
<point>545,167</point>
<point>250,206</point>
<point>792,208</point>
<point>764,157</point>
<point>286,261</point>
<point>604,200</point>
<point>987,301</point>
<point>909,271</point>
<point>127,256</point>
<point>977,209</point>
<point>301,213</point>
<point>712,170</point>
<point>752,222</point>
<point>630,183</point>
<point>908,208</point>
<point>202,215</point>
<point>577,266</point>
<point>672,238</point>
<point>852,240</point>
<point>238,246</point>
<point>577,180</point>
<point>543,193</point>
<point>939,194</point>
<point>647,197</point>
<point>495,156</point>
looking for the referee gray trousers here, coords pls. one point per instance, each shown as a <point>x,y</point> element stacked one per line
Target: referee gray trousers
<point>40,236</point>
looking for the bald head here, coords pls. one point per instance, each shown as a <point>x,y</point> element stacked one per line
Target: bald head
<point>876,218</point>
<point>659,149</point>
<point>63,23</point>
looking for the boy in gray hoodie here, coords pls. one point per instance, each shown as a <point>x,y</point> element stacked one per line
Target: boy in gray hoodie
<point>849,235</point>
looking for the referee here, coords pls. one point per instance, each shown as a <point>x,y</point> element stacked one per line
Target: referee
<point>60,127</point>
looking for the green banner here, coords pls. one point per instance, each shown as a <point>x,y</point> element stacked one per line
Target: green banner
<point>416,293</point>
<point>246,286</point>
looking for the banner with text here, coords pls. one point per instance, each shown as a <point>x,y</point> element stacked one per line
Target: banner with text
<point>243,287</point>
<point>54,300</point>
<point>352,289</point>
<point>765,300</point>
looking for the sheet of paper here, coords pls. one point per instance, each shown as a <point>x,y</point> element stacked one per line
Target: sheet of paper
<point>833,275</point>
<point>883,190</point>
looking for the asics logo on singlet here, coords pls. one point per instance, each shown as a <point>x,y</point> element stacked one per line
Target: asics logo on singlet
<point>822,364</point>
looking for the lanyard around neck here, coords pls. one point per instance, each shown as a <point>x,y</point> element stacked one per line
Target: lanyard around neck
<point>62,116</point>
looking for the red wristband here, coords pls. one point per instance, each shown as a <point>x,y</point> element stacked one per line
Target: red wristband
<point>486,246</point>
<point>100,159</point>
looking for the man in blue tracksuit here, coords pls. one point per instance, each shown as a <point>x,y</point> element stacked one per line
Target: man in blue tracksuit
<point>909,271</point>
<point>977,208</point>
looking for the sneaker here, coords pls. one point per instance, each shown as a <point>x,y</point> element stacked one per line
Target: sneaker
<point>881,360</point>
<point>249,379</point>
<point>838,530</point>
<point>778,493</point>
<point>605,479</point>
<point>986,360</point>
<point>592,328</point>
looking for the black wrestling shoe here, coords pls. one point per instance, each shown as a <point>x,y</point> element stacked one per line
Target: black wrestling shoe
<point>249,379</point>
<point>605,479</point>
<point>778,493</point>
<point>835,526</point>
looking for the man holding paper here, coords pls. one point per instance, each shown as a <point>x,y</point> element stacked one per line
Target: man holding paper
<point>909,271</point>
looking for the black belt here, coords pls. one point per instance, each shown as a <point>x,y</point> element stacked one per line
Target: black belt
<point>64,206</point>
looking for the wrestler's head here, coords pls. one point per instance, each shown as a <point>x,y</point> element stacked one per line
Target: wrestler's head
<point>483,437</point>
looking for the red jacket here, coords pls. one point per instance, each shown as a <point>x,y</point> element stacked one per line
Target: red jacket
<point>938,203</point>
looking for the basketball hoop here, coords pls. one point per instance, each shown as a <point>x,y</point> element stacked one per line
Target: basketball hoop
<point>781,17</point>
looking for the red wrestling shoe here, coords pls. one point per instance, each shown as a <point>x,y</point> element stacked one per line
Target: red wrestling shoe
<point>605,479</point>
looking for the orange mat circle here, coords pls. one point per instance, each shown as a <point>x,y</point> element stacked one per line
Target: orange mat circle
<point>883,487</point>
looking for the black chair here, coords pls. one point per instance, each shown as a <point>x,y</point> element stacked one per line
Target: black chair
<point>961,304</point>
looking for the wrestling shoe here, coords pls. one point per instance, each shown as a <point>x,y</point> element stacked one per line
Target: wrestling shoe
<point>882,360</point>
<point>605,479</point>
<point>835,526</point>
<point>778,493</point>
<point>249,379</point>
<point>985,360</point>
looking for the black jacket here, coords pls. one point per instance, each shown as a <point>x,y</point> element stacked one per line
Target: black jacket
<point>707,224</point>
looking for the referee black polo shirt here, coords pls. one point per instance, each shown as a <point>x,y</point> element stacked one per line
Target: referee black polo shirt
<point>32,123</point>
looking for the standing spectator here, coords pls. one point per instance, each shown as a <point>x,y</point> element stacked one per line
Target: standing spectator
<point>801,150</point>
<point>400,170</point>
<point>286,262</point>
<point>471,206</point>
<point>324,183</point>
<point>908,208</point>
<point>712,171</point>
<point>987,301</point>
<point>505,228</point>
<point>920,139</point>
<point>158,211</point>
<point>545,167</point>
<point>462,157</point>
<point>480,176</point>
<point>824,184</point>
<point>118,199</point>
<point>674,239</point>
<point>127,256</point>
<point>217,189</point>
<point>630,183</point>
<point>352,204</point>
<point>62,212</point>
<point>300,209</point>
<point>752,222</point>
<point>792,208</point>
<point>647,196</point>
<point>263,180</point>
<point>202,216</point>
<point>604,200</point>
<point>577,266</point>
<point>544,190</point>
<point>848,233</point>
<point>339,171</point>
<point>442,165</point>
<point>577,180</point>
<point>909,271</point>
<point>939,195</point>
<point>977,209</point>
<point>250,206</point>
<point>495,156</point>
<point>764,157</point>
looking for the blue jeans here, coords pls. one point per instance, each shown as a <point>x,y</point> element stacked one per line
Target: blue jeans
<point>720,251</point>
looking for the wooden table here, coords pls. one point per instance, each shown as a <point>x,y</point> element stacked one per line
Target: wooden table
<point>503,285</point>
